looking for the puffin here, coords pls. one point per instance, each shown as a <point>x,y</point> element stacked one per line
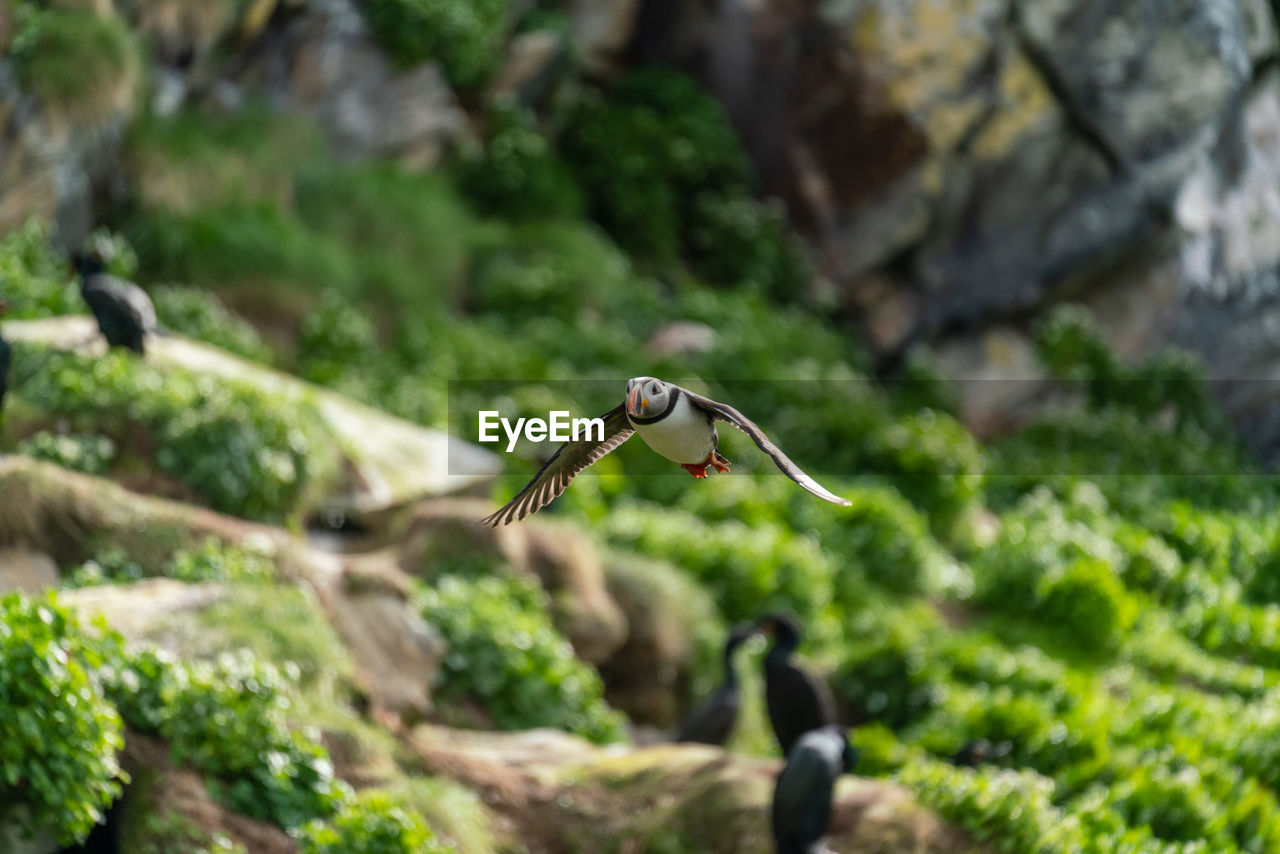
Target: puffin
<point>798,701</point>
<point>5,357</point>
<point>677,423</point>
<point>801,812</point>
<point>123,310</point>
<point>713,721</point>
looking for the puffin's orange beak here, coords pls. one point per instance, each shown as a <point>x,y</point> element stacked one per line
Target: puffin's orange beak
<point>631,400</point>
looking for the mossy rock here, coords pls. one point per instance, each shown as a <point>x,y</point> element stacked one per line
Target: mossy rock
<point>80,65</point>
<point>352,460</point>
<point>565,795</point>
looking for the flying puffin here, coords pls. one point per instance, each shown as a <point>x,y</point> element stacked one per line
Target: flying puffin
<point>677,423</point>
<point>123,310</point>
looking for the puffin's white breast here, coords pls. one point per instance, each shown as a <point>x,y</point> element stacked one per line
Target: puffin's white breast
<point>684,436</point>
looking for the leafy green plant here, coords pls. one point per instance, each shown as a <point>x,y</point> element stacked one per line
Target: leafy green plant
<point>214,561</point>
<point>889,541</point>
<point>226,717</point>
<point>371,823</point>
<point>87,453</point>
<point>648,153</point>
<point>335,338</point>
<point>72,57</point>
<point>750,569</point>
<point>35,281</point>
<point>164,833</point>
<point>464,37</point>
<point>111,565</point>
<point>504,651</point>
<point>199,314</point>
<point>517,175</point>
<point>241,449</point>
<point>1060,569</point>
<point>58,755</point>
<point>892,678</point>
<point>739,241</point>
<point>1071,346</point>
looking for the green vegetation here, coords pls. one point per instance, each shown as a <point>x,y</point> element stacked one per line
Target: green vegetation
<point>226,717</point>
<point>58,756</point>
<point>34,280</point>
<point>505,653</point>
<point>518,174</point>
<point>371,823</point>
<point>238,448</point>
<point>162,833</point>
<point>199,314</point>
<point>73,58</point>
<point>210,561</point>
<point>668,178</point>
<point>88,453</point>
<point>464,36</point>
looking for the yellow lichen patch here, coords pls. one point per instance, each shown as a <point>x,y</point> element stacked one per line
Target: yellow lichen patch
<point>254,16</point>
<point>1025,102</point>
<point>926,53</point>
<point>662,759</point>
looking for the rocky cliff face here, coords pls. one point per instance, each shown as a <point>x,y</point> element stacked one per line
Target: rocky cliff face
<point>961,167</point>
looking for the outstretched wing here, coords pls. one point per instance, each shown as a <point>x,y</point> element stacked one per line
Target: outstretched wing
<point>723,412</point>
<point>572,457</point>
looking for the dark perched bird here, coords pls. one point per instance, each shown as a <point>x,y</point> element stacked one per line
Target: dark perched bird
<point>974,753</point>
<point>123,310</point>
<point>801,814</point>
<point>798,701</point>
<point>677,423</point>
<point>713,721</point>
<point>5,357</point>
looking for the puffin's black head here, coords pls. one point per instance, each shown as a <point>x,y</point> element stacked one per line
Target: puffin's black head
<point>647,396</point>
<point>88,263</point>
<point>783,628</point>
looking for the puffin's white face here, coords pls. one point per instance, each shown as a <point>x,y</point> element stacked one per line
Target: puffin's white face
<point>647,396</point>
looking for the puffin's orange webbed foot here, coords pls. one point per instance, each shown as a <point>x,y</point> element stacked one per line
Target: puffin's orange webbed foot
<point>695,469</point>
<point>721,464</point>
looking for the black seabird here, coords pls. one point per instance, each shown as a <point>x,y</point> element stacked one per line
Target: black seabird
<point>801,814</point>
<point>123,310</point>
<point>713,721</point>
<point>798,701</point>
<point>677,423</point>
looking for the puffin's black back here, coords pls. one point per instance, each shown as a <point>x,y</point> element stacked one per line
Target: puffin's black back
<point>798,701</point>
<point>801,812</point>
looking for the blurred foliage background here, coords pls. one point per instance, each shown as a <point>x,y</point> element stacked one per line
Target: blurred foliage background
<point>1097,586</point>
